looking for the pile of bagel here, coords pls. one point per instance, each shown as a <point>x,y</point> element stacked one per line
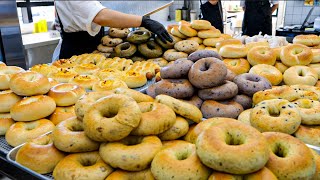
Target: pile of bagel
<point>291,64</point>
<point>292,110</point>
<point>97,73</point>
<point>203,79</point>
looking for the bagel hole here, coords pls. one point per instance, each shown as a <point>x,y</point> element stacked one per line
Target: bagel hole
<point>297,51</point>
<point>30,127</point>
<point>233,63</point>
<point>234,139</point>
<point>110,114</point>
<point>150,46</point>
<point>87,162</point>
<point>279,150</point>
<point>183,155</point>
<point>301,73</point>
<point>139,33</point>
<point>131,140</point>
<point>274,113</point>
<point>43,141</point>
<point>76,128</point>
<point>125,46</point>
<point>205,67</point>
<point>32,78</point>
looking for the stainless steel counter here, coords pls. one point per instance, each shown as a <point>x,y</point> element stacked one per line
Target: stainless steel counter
<point>39,47</point>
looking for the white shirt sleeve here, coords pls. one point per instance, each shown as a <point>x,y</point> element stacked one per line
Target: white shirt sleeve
<point>78,15</point>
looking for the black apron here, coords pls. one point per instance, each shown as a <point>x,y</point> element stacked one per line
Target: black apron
<point>213,14</point>
<point>76,43</point>
<point>257,17</point>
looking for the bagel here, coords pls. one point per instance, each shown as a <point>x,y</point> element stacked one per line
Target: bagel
<point>159,61</point>
<point>66,94</point>
<point>168,45</point>
<point>172,55</point>
<point>187,30</point>
<point>6,72</point>
<point>88,165</point>
<point>244,117</point>
<point>177,88</point>
<point>233,51</point>
<point>186,46</point>
<point>251,45</point>
<point>261,55</point>
<point>195,56</point>
<point>212,42</point>
<point>269,72</point>
<point>306,88</point>
<point>125,49</point>
<point>317,160</point>
<point>178,161</point>
<point>230,75</point>
<point>307,40</point>
<point>263,174</point>
<point>33,108</point>
<point>64,75</point>
<point>200,24</point>
<point>128,154</point>
<point>110,42</point>
<point>196,39</point>
<point>175,31</point>
<point>109,73</point>
<point>280,115</point>
<point>86,69</point>
<point>194,100</point>
<point>225,91</point>
<point>109,84</point>
<point>285,157</point>
<point>7,100</point>
<point>105,49</point>
<point>229,109</point>
<point>226,36</point>
<point>300,75</point>
<point>134,79</point>
<point>207,73</point>
<point>178,69</point>
<point>155,119</point>
<point>309,111</point>
<point>150,49</point>
<point>232,147</point>
<point>85,81</point>
<point>136,95</point>
<point>219,175</point>
<point>39,155</point>
<point>179,129</point>
<point>195,131</point>
<point>249,84</point>
<point>6,121</point>
<point>316,56</point>
<point>296,54</point>
<point>244,100</point>
<point>113,113</point>
<point>211,33</point>
<point>139,36</point>
<point>201,47</point>
<point>61,114</point>
<point>281,67</point>
<point>87,100</point>
<point>2,64</point>
<point>127,175</point>
<point>44,69</point>
<point>181,108</point>
<point>69,136</point>
<point>316,67</point>
<point>21,132</point>
<point>66,63</point>
<point>119,32</point>
<point>277,52</point>
<point>308,134</point>
<point>211,49</point>
<point>237,66</point>
<point>220,44</point>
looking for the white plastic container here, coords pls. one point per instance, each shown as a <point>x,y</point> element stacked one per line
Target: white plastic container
<point>316,24</point>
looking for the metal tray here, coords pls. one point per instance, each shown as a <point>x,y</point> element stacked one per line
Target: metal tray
<point>144,88</point>
<point>316,148</point>
<point>4,146</point>
<point>11,156</point>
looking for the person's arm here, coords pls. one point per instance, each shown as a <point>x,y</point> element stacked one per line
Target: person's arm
<point>111,18</point>
<point>274,7</point>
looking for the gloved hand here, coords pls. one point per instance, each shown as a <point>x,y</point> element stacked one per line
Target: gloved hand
<point>157,28</point>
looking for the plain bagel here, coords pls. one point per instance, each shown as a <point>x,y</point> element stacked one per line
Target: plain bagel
<point>308,40</point>
<point>7,100</point>
<point>269,72</point>
<point>233,51</point>
<point>6,72</point>
<point>296,54</point>
<point>66,94</point>
<point>261,55</point>
<point>300,75</point>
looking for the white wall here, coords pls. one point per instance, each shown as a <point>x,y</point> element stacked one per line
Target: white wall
<point>296,12</point>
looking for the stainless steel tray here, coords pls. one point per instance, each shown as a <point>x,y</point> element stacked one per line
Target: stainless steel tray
<point>316,148</point>
<point>11,156</point>
<point>4,146</point>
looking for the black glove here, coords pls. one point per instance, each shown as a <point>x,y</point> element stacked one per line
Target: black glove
<point>157,28</point>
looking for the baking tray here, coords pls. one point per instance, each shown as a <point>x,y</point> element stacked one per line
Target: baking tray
<point>4,146</point>
<point>11,157</point>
